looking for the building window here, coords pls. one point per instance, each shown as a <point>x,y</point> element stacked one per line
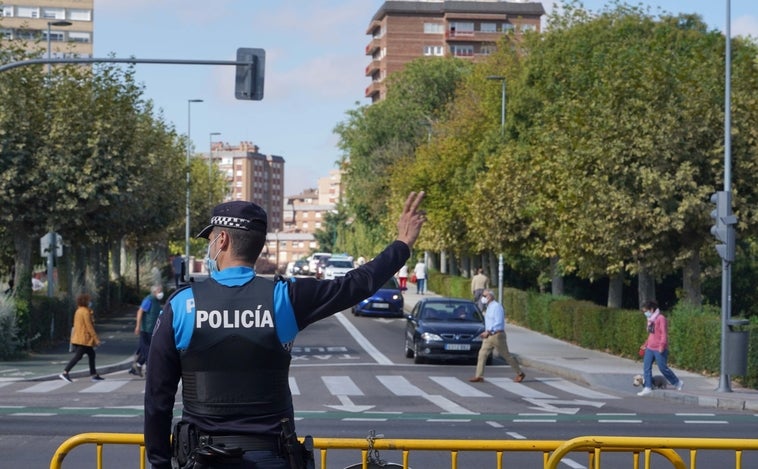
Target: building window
<point>80,15</point>
<point>488,27</point>
<point>507,27</point>
<point>438,51</point>
<point>462,51</point>
<point>462,28</point>
<point>27,12</point>
<point>528,27</point>
<point>434,28</point>
<point>7,11</point>
<point>488,49</point>
<point>53,13</point>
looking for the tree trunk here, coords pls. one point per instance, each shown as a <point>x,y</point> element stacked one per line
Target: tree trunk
<point>555,275</point>
<point>443,262</point>
<point>466,265</point>
<point>646,286</point>
<point>23,281</point>
<point>691,280</point>
<point>615,290</point>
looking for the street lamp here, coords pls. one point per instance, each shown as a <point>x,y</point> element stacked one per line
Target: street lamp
<point>501,79</point>
<point>59,23</point>
<point>187,221</point>
<point>210,165</point>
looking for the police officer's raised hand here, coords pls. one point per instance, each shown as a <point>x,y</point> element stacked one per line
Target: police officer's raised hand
<point>411,220</point>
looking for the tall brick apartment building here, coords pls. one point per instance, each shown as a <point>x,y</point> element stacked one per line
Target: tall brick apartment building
<point>403,30</point>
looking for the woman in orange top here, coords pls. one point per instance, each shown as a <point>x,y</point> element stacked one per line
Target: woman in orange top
<point>83,338</point>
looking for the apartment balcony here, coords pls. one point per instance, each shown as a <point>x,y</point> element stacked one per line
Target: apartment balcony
<point>373,67</point>
<point>372,46</point>
<point>473,36</point>
<point>373,89</point>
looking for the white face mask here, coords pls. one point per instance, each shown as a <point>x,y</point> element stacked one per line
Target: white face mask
<point>159,295</point>
<point>648,314</point>
<point>484,300</point>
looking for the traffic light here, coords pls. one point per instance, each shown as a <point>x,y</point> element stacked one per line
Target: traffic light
<point>723,230</point>
<point>248,80</point>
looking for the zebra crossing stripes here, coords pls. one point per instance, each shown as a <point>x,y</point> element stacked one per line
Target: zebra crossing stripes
<point>573,388</point>
<point>44,386</point>
<point>520,389</point>
<point>458,387</point>
<point>105,386</point>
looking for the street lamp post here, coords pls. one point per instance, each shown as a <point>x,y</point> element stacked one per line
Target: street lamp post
<point>501,79</point>
<point>187,221</point>
<point>210,166</point>
<point>52,246</point>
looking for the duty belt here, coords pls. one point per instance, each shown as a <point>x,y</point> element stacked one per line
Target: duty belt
<point>244,442</point>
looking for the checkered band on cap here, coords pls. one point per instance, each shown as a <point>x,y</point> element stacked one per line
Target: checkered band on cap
<point>231,222</point>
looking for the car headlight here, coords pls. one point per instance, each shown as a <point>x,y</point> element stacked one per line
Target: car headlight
<point>429,337</point>
<point>395,297</point>
<point>478,338</point>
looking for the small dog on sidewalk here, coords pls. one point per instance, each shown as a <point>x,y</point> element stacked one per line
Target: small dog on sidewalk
<point>659,382</point>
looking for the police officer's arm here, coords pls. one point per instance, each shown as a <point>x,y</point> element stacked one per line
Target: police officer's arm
<point>313,300</point>
<point>162,379</point>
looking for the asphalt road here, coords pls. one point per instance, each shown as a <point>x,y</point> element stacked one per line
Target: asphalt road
<point>350,376</point>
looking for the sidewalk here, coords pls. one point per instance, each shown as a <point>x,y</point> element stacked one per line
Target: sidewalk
<point>534,351</point>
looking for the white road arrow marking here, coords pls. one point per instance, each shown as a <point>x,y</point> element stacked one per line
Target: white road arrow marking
<point>348,406</point>
<point>550,405</point>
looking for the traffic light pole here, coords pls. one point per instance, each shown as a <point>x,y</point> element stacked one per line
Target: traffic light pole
<point>726,271</point>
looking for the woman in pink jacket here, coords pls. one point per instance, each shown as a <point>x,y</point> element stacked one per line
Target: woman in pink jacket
<point>656,348</point>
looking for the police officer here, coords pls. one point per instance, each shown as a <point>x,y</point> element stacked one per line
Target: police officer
<point>229,340</point>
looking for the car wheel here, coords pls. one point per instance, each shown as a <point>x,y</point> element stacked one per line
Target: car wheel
<point>416,357</point>
<point>355,311</point>
<point>408,350</point>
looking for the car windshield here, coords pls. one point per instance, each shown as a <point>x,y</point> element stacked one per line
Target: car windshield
<point>391,284</point>
<point>341,264</point>
<point>451,312</point>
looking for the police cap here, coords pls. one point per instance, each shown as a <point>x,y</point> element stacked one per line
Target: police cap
<point>238,214</point>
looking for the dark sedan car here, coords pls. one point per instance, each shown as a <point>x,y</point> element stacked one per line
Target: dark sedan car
<point>442,329</point>
<point>387,301</point>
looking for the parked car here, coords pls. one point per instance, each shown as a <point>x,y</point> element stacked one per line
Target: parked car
<point>443,328</point>
<point>335,267</point>
<point>387,301</point>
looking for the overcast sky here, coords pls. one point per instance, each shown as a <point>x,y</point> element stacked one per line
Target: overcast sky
<point>315,66</point>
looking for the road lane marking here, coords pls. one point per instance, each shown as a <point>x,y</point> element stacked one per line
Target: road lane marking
<point>572,388</point>
<point>294,389</point>
<point>400,386</point>
<point>519,389</point>
<point>458,387</point>
<point>341,386</point>
<point>362,341</point>
<point>104,386</point>
<point>44,386</point>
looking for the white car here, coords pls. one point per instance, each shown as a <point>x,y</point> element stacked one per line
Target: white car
<point>337,267</point>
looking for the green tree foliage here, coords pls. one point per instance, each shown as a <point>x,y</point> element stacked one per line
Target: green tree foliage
<point>374,138</point>
<point>81,152</point>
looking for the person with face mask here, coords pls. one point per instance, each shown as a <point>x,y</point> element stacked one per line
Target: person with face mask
<point>656,348</point>
<point>229,340</point>
<point>147,315</point>
<point>493,337</point>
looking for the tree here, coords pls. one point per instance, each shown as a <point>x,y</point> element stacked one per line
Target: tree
<point>374,138</point>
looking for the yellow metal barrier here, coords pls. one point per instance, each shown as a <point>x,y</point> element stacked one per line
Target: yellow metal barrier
<point>552,450</point>
<point>647,445</point>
